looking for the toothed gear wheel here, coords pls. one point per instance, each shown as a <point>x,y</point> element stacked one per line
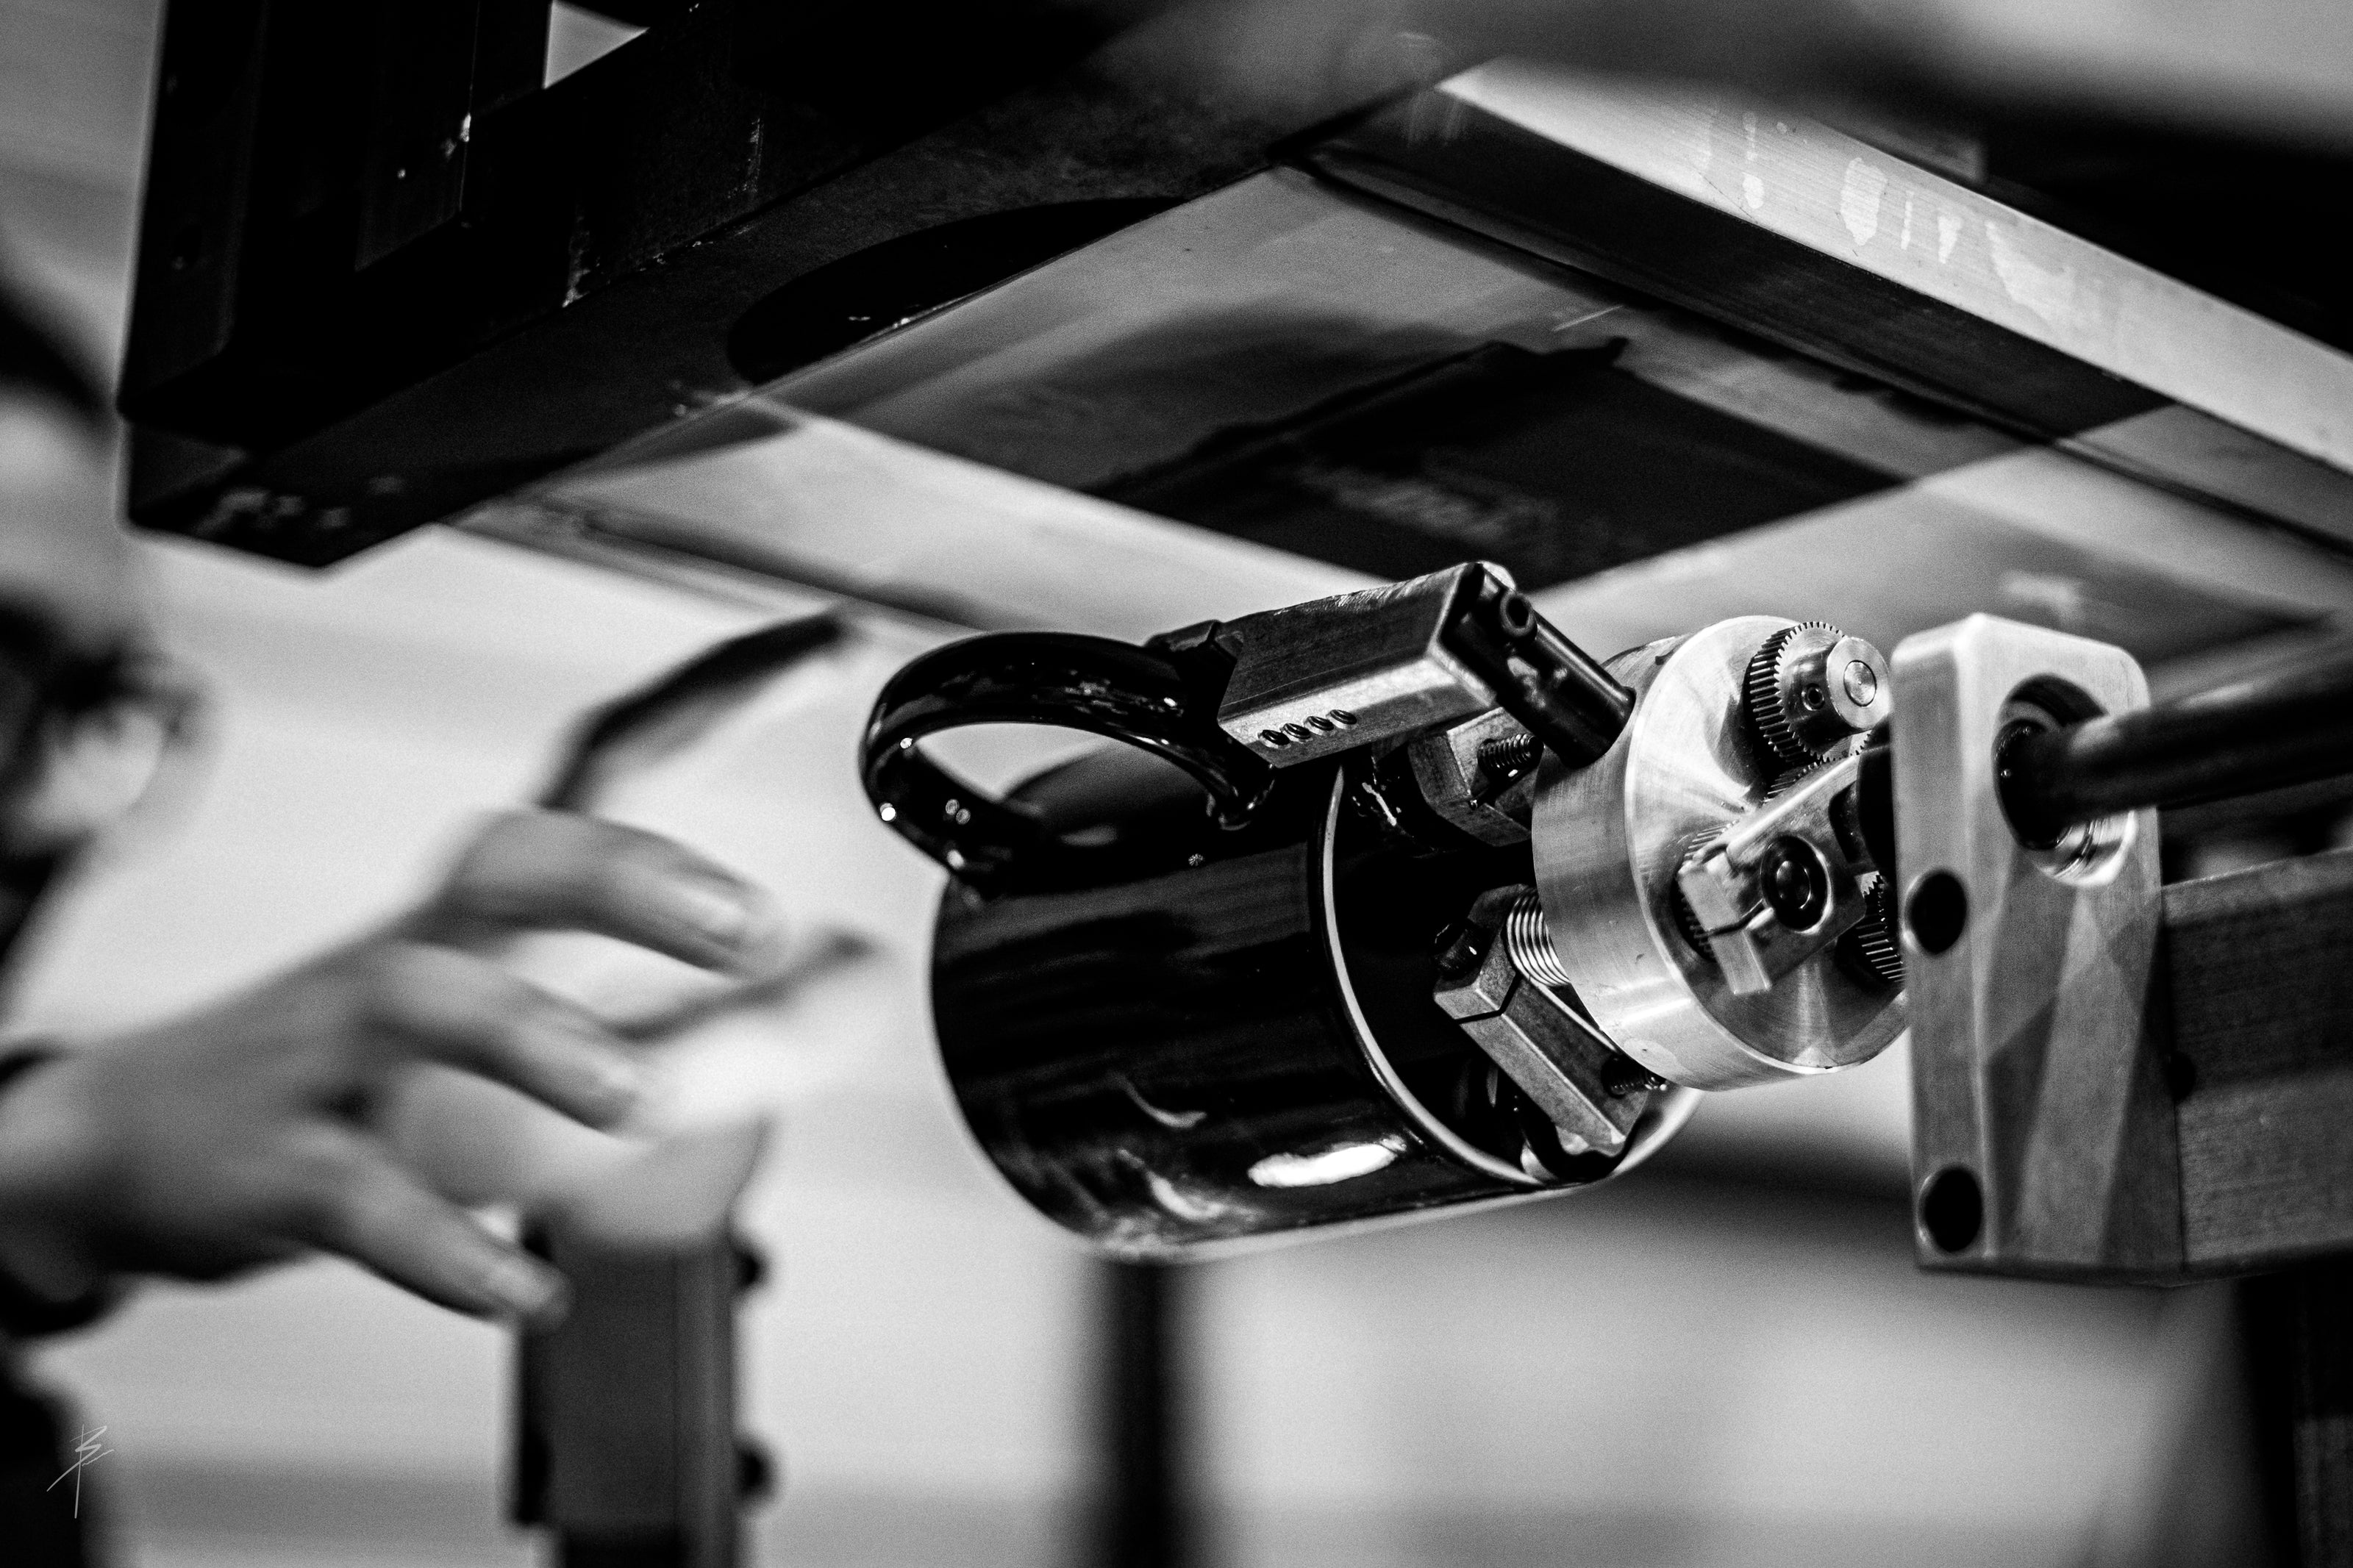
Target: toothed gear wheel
<point>1687,918</point>
<point>1872,940</point>
<point>1769,708</point>
<point>1809,690</point>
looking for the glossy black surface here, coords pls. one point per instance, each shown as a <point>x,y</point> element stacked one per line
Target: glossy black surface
<point>1112,689</point>
<point>1168,1062</point>
<point>2269,731</point>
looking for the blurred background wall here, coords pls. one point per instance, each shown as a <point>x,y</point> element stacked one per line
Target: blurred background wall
<point>1728,1359</point>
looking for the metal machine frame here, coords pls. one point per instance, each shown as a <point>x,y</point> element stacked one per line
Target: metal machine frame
<point>386,274</point>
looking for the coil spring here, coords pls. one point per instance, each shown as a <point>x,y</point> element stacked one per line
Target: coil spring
<point>1530,944</point>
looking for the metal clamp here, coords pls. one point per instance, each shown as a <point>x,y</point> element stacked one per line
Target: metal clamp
<point>1480,776</point>
<point>1591,1093</point>
<point>1314,680</point>
<point>1782,884</point>
<point>2043,1137</point>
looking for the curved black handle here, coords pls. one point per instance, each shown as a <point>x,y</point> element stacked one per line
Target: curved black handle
<point>671,711</point>
<point>1105,687</point>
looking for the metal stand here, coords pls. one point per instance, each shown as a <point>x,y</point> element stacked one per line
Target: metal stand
<point>625,1447</point>
<point>2301,1353</point>
<point>1142,1523</point>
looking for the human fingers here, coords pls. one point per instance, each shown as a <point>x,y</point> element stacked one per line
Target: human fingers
<point>549,870</point>
<point>365,1207</point>
<point>453,1007</point>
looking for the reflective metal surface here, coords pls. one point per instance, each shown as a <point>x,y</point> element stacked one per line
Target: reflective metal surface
<point>1313,680</point>
<point>1480,776</point>
<point>1610,840</point>
<point>2043,1134</point>
<point>1592,1095</point>
<point>1244,1048</point>
<point>1354,670</point>
<point>1782,884</point>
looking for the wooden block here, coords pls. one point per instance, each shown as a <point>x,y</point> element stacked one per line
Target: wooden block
<point>2259,969</point>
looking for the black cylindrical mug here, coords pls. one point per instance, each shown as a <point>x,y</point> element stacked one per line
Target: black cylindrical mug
<point>1183,1005</point>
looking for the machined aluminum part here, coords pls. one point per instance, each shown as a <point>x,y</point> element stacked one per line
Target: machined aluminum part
<point>1811,690</point>
<point>1610,840</point>
<point>1658,1115</point>
<point>1722,883</point>
<point>1453,767</point>
<point>1559,1060</point>
<point>2043,1131</point>
<point>1334,675</point>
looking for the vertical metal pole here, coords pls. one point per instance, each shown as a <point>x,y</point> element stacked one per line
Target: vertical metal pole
<point>627,1452</point>
<point>2300,1341</point>
<point>1141,1418</point>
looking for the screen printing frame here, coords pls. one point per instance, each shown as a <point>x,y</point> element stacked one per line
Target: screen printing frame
<point>308,380</point>
<point>385,274</point>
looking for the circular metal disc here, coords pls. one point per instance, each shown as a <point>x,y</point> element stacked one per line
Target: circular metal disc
<point>1608,839</point>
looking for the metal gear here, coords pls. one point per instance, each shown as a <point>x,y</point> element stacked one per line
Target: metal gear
<point>1790,781</point>
<point>1768,709</point>
<point>1687,918</point>
<point>1872,943</point>
<point>1809,689</point>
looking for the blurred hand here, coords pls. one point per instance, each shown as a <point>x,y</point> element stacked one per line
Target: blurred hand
<point>61,555</point>
<point>241,1135</point>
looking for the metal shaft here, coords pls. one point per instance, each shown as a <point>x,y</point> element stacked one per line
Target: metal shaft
<point>1558,689</point>
<point>2263,733</point>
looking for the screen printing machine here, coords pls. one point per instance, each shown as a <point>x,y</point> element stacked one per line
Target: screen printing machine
<point>1979,525</point>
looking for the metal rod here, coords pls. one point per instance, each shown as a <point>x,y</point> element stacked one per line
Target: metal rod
<point>1141,1418</point>
<point>2256,734</point>
<point>2302,1372</point>
<point>1558,689</point>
